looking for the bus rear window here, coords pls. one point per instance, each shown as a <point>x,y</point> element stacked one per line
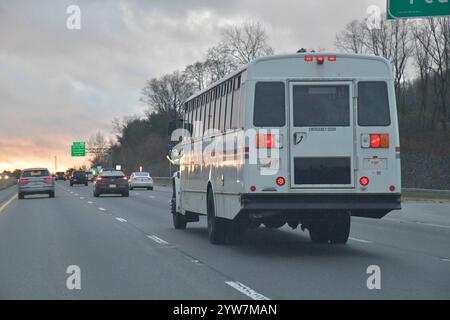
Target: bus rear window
<point>321,105</point>
<point>373,104</point>
<point>269,105</point>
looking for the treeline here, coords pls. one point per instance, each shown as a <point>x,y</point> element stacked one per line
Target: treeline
<point>143,141</point>
<point>419,51</point>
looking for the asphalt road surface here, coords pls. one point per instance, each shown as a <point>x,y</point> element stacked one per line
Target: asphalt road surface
<point>126,248</point>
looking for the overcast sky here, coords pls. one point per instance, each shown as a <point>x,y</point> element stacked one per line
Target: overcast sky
<point>59,85</point>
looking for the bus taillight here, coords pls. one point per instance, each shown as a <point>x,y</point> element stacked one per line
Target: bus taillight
<point>320,59</point>
<point>309,58</point>
<point>375,141</point>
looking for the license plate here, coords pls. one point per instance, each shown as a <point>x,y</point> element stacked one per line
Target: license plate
<point>112,186</point>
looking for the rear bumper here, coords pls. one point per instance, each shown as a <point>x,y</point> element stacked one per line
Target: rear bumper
<point>141,184</point>
<point>118,190</point>
<point>31,191</point>
<point>363,205</point>
<point>78,182</point>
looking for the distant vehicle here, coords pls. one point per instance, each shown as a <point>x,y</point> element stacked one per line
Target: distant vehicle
<point>323,146</point>
<point>79,177</point>
<point>35,181</point>
<point>140,180</point>
<point>60,176</point>
<point>111,182</point>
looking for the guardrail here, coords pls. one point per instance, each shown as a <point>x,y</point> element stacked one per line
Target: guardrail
<point>430,191</point>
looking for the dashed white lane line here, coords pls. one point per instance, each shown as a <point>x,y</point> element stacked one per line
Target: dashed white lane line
<point>102,209</point>
<point>157,239</point>
<point>359,240</point>
<point>7,203</point>
<point>90,202</point>
<point>121,219</point>
<point>445,260</point>
<point>433,225</point>
<point>152,197</point>
<point>82,198</point>
<point>246,290</point>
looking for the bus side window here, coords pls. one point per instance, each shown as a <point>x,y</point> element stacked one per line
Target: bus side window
<point>223,107</point>
<point>229,105</point>
<point>237,108</point>
<point>202,116</point>
<point>217,110</point>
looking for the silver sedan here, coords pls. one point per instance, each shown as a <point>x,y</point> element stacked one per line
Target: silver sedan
<point>140,180</point>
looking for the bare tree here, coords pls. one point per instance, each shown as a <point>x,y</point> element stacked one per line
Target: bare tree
<point>199,73</point>
<point>247,42</point>
<point>98,146</point>
<point>168,93</point>
<point>439,51</point>
<point>351,39</point>
<point>220,62</point>
<point>393,41</point>
<point>422,42</point>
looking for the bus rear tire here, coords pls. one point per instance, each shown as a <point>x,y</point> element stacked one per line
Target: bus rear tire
<point>341,228</point>
<point>217,228</point>
<point>335,230</point>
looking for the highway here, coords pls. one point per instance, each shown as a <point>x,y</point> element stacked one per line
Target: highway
<point>126,248</point>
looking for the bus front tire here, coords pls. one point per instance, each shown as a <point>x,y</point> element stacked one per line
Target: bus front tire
<point>217,228</point>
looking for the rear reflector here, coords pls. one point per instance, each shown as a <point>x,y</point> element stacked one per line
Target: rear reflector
<point>281,181</point>
<point>253,188</point>
<point>364,181</point>
<point>48,179</point>
<point>23,181</point>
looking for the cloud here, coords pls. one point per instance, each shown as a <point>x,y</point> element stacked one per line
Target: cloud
<point>57,85</point>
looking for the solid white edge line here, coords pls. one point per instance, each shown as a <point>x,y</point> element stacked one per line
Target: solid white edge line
<point>102,209</point>
<point>359,240</point>
<point>246,290</point>
<point>8,202</point>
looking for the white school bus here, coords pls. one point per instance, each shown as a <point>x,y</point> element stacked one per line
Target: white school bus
<point>306,139</point>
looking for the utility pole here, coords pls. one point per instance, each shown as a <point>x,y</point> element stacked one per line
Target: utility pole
<point>56,164</point>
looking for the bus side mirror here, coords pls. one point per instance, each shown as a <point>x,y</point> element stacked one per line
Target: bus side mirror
<point>174,125</point>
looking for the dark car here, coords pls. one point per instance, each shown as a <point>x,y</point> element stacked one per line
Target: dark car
<point>111,182</point>
<point>79,177</point>
<point>60,176</point>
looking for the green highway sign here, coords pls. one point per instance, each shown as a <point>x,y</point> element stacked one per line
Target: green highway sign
<point>79,149</point>
<point>398,9</point>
